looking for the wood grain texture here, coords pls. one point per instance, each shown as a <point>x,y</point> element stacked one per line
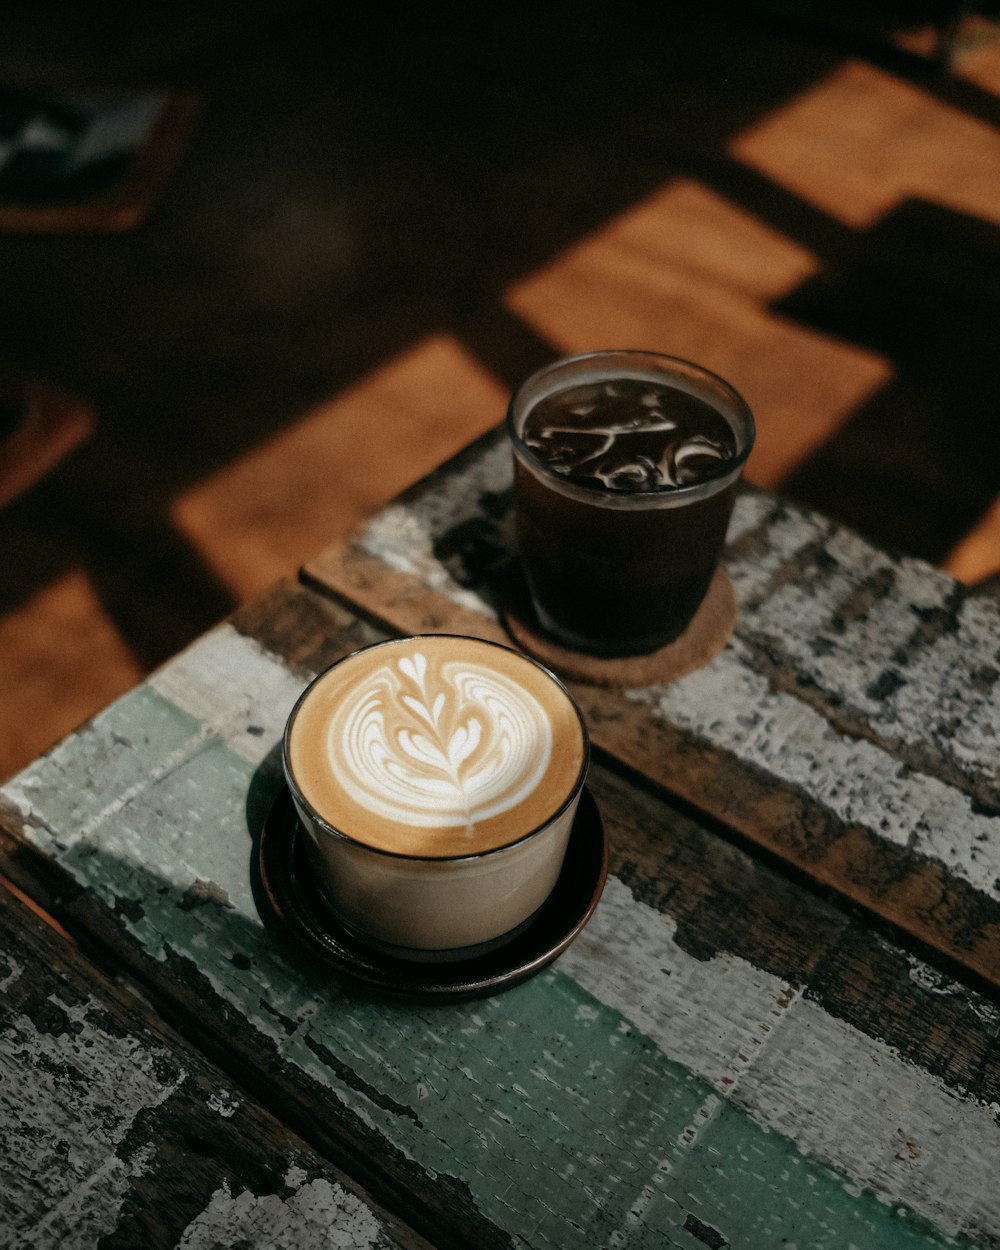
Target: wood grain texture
<point>263,513</point>
<point>849,727</point>
<point>115,1134</point>
<point>721,1055</point>
<point>860,141</point>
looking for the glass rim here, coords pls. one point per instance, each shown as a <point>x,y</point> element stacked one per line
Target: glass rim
<point>660,366</point>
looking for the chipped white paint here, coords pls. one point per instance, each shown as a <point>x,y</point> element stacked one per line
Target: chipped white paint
<point>398,538</point>
<point>15,969</point>
<point>318,1215</point>
<point>885,1124</point>
<point>935,982</point>
<point>24,795</point>
<point>914,1140</point>
<point>223,1103</point>
<point>77,1220</point>
<point>713,1016</point>
<point>224,676</point>
<point>115,839</point>
<point>234,689</point>
<point>96,1085</point>
<point>938,683</point>
<point>402,535</point>
<point>749,511</point>
<point>730,704</point>
<point>784,535</point>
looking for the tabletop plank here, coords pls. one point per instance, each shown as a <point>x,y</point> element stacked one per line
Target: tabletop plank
<point>113,1132</point>
<point>721,1058</point>
<point>849,727</point>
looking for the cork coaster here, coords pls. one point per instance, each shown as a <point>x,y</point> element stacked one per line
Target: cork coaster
<point>709,631</point>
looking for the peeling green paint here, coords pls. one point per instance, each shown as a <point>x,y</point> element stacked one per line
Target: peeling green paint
<point>568,1125</point>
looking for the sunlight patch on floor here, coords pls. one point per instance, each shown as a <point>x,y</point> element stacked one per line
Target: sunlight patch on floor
<point>688,228</point>
<point>689,274</point>
<point>63,659</point>
<point>978,554</point>
<point>859,143</point>
<point>977,57</point>
<point>266,513</point>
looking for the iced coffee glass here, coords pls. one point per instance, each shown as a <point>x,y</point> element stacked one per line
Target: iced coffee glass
<point>626,465</point>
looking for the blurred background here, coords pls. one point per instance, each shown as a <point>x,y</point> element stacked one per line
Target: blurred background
<point>350,230</point>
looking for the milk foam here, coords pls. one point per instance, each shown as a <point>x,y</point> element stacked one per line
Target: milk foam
<point>435,747</point>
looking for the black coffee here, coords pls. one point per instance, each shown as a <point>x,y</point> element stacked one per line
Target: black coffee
<point>629,435</point>
<point>609,574</point>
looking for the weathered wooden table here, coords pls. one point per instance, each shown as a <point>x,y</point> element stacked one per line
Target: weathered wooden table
<point>780,1027</point>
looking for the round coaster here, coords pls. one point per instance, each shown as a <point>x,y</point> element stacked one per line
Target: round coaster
<point>709,631</point>
<point>290,894</point>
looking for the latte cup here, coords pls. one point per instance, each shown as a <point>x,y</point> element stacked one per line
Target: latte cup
<point>436,778</point>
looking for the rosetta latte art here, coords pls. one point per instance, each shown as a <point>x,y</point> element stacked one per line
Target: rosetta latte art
<point>439,746</point>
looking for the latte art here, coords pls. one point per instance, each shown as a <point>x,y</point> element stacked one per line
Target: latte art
<point>437,746</point>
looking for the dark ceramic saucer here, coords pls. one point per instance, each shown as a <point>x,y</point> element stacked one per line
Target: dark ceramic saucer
<point>291,895</point>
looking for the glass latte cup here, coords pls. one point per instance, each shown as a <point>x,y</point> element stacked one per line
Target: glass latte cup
<point>437,779</point>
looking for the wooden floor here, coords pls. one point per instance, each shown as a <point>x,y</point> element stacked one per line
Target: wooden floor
<point>376,230</point>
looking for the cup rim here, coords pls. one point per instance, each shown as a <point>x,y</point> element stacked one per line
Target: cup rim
<point>343,836</point>
<point>670,496</point>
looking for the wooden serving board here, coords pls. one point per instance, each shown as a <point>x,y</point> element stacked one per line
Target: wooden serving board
<point>850,727</point>
<point>722,1058</point>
